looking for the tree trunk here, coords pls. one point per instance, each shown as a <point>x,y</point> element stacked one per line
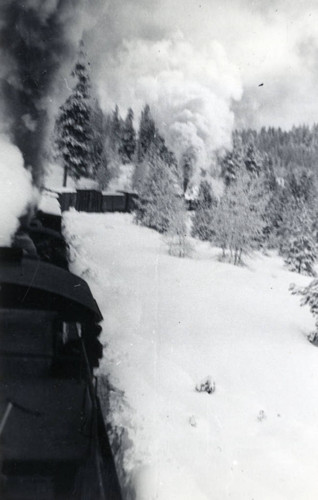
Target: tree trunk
<point>240,255</point>
<point>65,176</point>
<point>235,256</point>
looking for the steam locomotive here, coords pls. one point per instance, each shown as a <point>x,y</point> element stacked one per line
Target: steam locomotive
<point>53,440</point>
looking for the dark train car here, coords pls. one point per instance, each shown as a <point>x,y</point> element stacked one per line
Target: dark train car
<point>113,202</point>
<point>53,441</point>
<point>130,200</point>
<point>88,200</point>
<point>67,199</point>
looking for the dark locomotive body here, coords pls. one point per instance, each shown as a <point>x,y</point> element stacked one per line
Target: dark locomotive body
<point>53,442</point>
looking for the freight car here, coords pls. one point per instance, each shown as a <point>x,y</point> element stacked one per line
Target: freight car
<point>53,442</point>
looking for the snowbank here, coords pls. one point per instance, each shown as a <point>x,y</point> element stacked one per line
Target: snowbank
<point>168,324</point>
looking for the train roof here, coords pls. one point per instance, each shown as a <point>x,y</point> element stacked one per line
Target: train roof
<point>27,282</point>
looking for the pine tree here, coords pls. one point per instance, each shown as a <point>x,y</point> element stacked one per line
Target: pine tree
<point>73,127</point>
<point>202,222</point>
<point>128,137</point>
<point>146,133</point>
<point>232,163</point>
<point>274,215</point>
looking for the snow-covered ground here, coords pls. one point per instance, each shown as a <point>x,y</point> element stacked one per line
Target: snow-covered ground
<point>168,324</point>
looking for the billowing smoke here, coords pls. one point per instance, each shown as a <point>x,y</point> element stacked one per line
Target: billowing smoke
<point>38,41</point>
<point>16,189</point>
<point>189,91</point>
<point>34,42</point>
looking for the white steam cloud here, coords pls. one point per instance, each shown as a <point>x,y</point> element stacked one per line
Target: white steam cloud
<point>16,189</point>
<point>190,92</point>
<point>274,43</point>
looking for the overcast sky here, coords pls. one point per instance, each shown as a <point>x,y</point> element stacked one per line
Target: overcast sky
<point>269,42</point>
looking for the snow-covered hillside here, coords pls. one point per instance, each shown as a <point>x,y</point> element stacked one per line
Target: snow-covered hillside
<point>168,324</point>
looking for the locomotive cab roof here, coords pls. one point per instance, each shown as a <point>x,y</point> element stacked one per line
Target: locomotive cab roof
<point>30,283</point>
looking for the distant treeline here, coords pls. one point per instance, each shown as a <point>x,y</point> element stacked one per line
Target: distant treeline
<point>288,150</point>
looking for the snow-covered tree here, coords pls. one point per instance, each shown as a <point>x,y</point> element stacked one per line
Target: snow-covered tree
<point>158,195</point>
<point>299,247</point>
<point>232,163</point>
<point>155,149</point>
<point>309,297</point>
<point>73,127</point>
<point>238,220</point>
<point>109,166</point>
<point>177,240</point>
<point>302,253</point>
<point>202,221</point>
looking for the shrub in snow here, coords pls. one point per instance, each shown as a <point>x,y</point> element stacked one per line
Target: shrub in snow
<point>309,296</point>
<point>301,254</point>
<point>192,421</point>
<point>206,385</point>
<point>261,416</point>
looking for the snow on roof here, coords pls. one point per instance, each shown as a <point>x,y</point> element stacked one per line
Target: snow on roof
<point>65,190</point>
<point>49,203</point>
<point>112,193</point>
<point>127,191</point>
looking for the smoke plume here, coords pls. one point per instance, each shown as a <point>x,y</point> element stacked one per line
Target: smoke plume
<point>36,37</point>
<point>38,40</point>
<point>16,189</point>
<point>189,91</point>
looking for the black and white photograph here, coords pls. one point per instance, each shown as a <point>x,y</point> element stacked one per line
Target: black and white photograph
<point>158,249</point>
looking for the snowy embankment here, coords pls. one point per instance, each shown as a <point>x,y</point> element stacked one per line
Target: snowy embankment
<point>168,324</point>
